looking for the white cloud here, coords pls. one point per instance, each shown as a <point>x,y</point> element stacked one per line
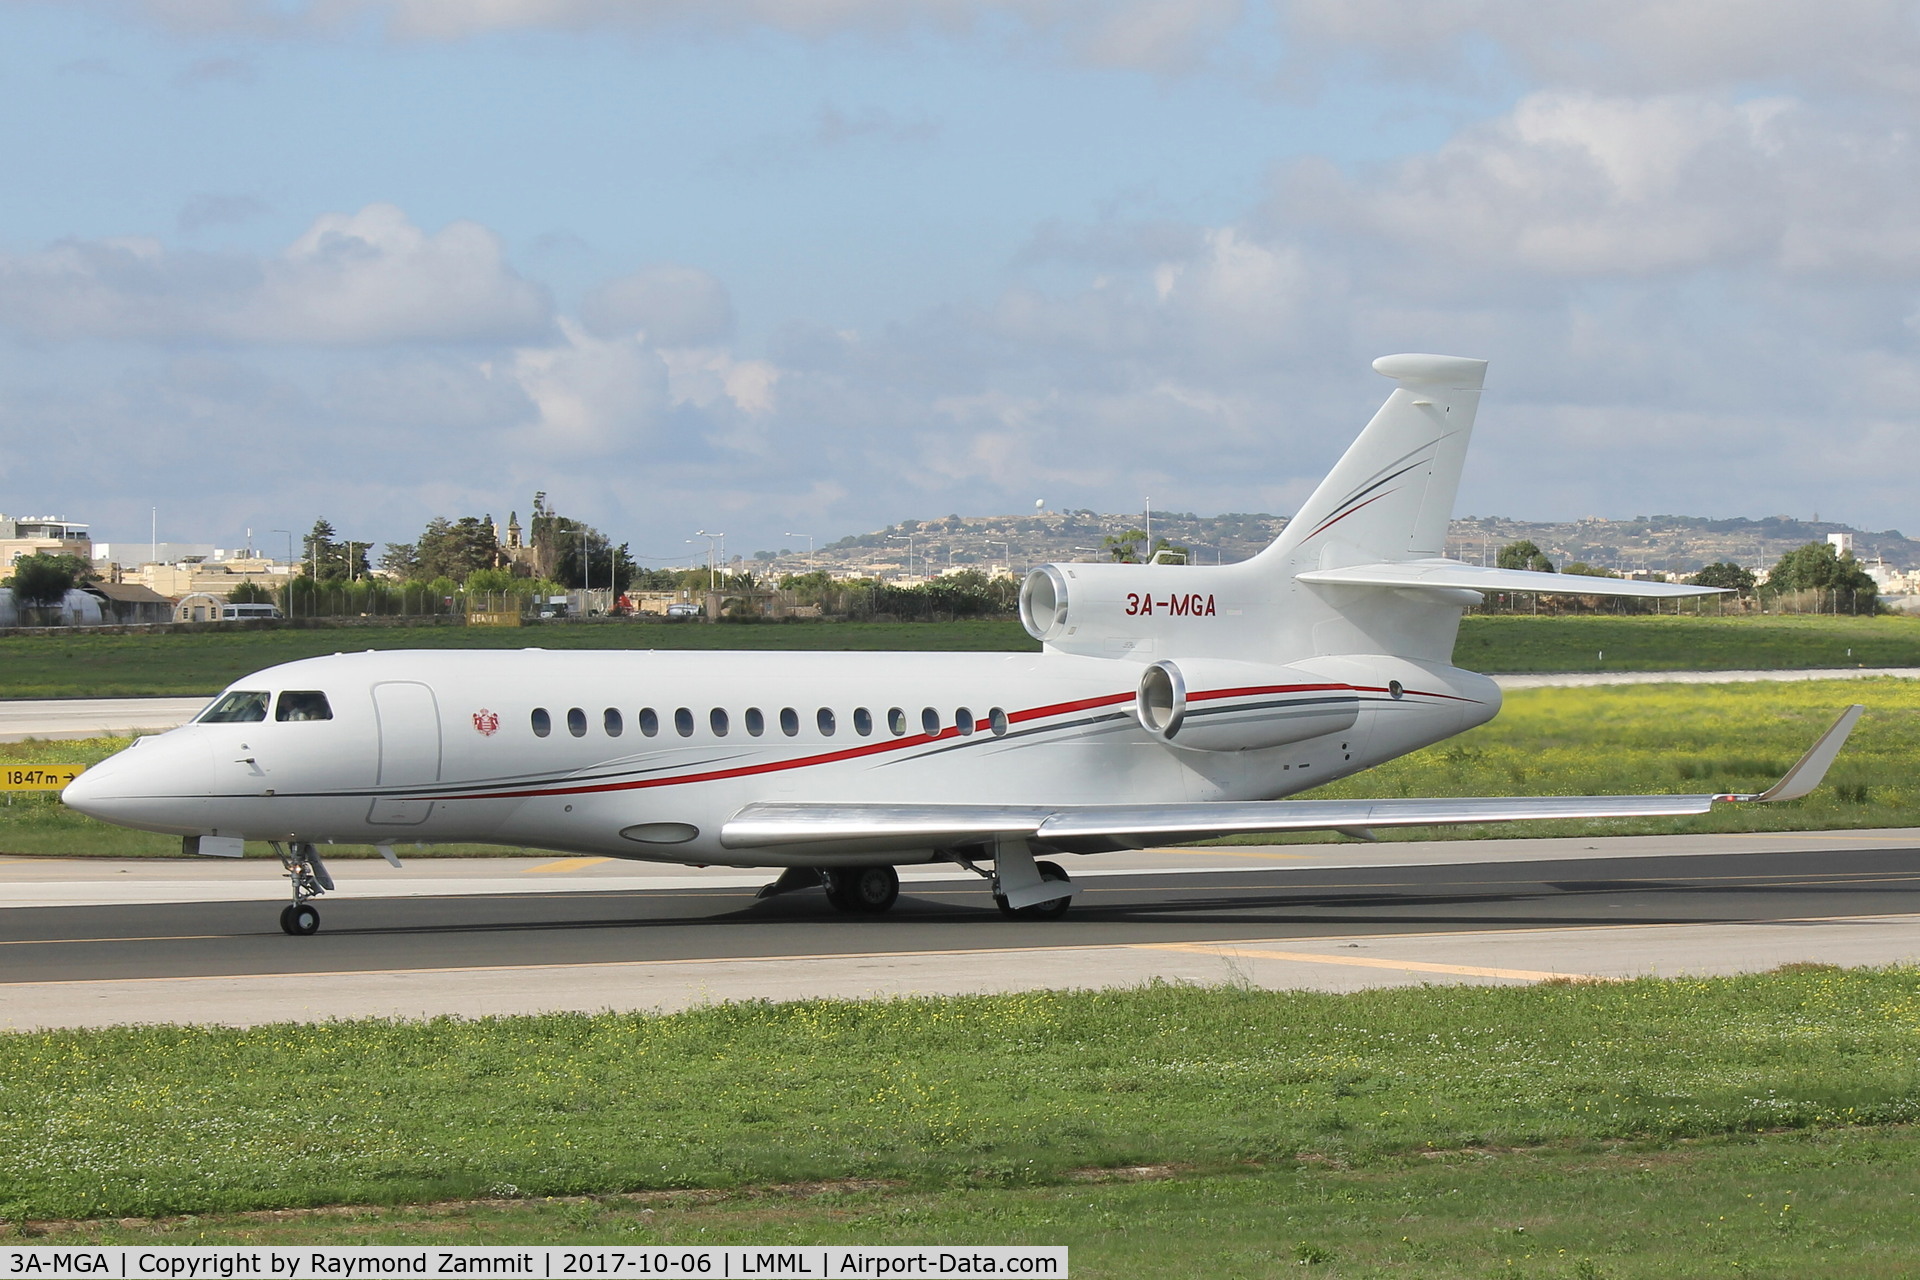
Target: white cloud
<point>1573,183</point>
<point>359,279</point>
<point>592,396</point>
<point>1646,46</point>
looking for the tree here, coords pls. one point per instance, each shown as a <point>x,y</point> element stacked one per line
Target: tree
<point>250,593</point>
<point>400,559</point>
<point>1818,567</point>
<point>327,560</point>
<point>1580,568</point>
<point>1524,555</point>
<point>1163,544</point>
<point>455,548</point>
<point>1124,548</point>
<point>1726,575</point>
<point>42,582</point>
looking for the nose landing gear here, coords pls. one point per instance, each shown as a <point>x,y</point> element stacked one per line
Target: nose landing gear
<point>308,874</point>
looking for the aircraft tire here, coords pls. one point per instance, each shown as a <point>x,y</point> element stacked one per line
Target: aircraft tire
<point>300,920</point>
<point>863,890</point>
<point>1039,910</point>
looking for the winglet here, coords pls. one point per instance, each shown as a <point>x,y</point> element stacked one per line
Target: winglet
<point>1812,767</point>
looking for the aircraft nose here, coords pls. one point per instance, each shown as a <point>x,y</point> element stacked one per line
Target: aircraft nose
<point>153,785</point>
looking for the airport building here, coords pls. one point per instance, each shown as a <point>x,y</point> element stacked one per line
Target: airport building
<point>41,536</point>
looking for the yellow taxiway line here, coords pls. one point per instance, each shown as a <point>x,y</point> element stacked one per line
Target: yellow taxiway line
<point>1228,951</point>
<point>566,864</point>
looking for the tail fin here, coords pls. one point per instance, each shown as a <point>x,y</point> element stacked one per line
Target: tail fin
<point>1390,496</point>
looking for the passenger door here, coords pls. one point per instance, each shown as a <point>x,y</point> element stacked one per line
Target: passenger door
<point>409,720</point>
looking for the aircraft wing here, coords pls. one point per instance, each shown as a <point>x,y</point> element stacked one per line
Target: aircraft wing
<point>1118,825</point>
<point>1453,574</point>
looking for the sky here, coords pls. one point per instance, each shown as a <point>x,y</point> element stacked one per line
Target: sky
<point>783,269</point>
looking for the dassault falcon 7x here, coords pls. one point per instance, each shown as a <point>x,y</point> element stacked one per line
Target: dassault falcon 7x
<point>1168,702</point>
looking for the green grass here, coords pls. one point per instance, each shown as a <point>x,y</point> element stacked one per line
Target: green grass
<point>204,662</point>
<point>955,1092</point>
<point>1502,643</point>
<point>1836,1203</point>
<point>1627,739</point>
<point>1631,739</point>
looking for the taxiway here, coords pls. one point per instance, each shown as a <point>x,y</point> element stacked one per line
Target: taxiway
<point>86,943</point>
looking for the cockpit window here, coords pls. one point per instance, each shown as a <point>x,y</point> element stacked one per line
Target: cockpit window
<point>236,708</point>
<point>303,704</point>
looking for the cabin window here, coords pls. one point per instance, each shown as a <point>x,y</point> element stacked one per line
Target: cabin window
<point>649,721</point>
<point>824,718</point>
<point>718,719</point>
<point>614,725</point>
<point>236,708</point>
<point>930,722</point>
<point>963,720</point>
<point>542,722</point>
<point>789,721</point>
<point>683,722</point>
<point>577,722</point>
<point>863,722</point>
<point>756,723</point>
<point>302,704</point>
<point>997,721</point>
<point>897,721</point>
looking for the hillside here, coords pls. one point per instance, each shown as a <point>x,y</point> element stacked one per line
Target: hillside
<point>1670,544</point>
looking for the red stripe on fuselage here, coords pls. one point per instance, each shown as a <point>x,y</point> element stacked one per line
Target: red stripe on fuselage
<point>917,740</point>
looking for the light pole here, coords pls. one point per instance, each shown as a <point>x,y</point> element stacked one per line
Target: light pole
<point>809,538</point>
<point>710,537</point>
<point>1006,555</point>
<point>908,539</point>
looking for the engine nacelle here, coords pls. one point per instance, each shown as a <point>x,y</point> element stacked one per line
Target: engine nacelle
<point>1222,705</point>
<point>1121,610</point>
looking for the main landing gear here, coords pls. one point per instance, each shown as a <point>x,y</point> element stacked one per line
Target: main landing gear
<point>1022,888</point>
<point>865,891</point>
<point>310,879</point>
<point>1052,909</point>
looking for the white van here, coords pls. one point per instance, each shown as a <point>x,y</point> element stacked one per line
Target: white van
<point>238,612</point>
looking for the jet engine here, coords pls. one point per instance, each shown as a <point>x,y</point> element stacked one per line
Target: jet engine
<point>1221,705</point>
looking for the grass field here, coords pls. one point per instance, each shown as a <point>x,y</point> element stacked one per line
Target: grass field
<point>1625,739</point>
<point>170,664</point>
<point>204,662</point>
<point>1657,1127</point>
<point>1807,1203</point>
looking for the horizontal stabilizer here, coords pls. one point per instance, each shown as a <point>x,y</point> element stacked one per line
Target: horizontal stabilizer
<point>937,826</point>
<point>1452,574</point>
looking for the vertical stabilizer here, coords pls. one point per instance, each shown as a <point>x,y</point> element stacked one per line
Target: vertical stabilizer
<point>1391,494</point>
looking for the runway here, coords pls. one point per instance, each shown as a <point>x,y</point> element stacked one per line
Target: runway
<point>587,935</point>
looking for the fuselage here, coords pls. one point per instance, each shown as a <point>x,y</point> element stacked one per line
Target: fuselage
<point>646,754</point>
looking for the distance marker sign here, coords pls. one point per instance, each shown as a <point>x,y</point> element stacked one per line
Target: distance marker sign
<point>38,777</point>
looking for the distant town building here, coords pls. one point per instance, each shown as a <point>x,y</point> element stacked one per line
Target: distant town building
<point>213,577</point>
<point>41,536</point>
<point>128,603</point>
<point>1842,543</point>
<point>131,555</point>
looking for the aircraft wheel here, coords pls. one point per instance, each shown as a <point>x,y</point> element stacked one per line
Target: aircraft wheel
<point>300,919</point>
<point>863,890</point>
<point>1039,910</point>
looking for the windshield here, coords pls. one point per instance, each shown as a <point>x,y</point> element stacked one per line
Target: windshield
<point>236,708</point>
<point>303,704</point>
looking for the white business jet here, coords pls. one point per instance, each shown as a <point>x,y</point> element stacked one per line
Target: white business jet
<point>1169,702</point>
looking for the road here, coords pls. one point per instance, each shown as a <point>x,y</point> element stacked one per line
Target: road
<point>1488,911</point>
<point>66,718</point>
